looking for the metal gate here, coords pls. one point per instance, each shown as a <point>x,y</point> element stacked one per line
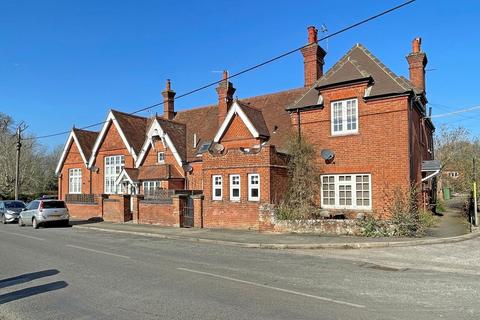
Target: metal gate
<point>186,219</point>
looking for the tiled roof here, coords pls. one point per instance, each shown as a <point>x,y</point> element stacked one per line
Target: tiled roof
<point>158,172</point>
<point>204,122</point>
<point>133,127</point>
<point>256,118</point>
<point>358,64</point>
<point>177,132</point>
<point>86,140</point>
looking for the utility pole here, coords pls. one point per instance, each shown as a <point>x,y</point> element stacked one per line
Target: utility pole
<point>475,214</point>
<point>21,127</point>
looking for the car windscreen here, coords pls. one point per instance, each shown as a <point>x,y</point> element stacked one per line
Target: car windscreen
<point>14,205</point>
<point>53,204</point>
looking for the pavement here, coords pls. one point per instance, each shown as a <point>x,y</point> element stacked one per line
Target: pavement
<point>451,227</point>
<point>77,273</point>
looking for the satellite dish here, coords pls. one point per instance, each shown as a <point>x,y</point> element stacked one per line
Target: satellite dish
<point>327,154</point>
<point>187,168</point>
<point>219,147</point>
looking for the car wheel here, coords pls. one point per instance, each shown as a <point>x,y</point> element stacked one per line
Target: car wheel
<point>34,223</point>
<point>20,222</point>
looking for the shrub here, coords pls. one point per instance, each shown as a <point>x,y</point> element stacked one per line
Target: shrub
<point>375,227</point>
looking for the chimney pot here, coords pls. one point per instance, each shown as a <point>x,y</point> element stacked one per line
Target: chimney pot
<point>312,35</point>
<point>416,45</point>
<point>225,91</point>
<point>168,86</point>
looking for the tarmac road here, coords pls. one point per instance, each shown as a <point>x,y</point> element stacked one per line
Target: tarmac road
<point>71,273</point>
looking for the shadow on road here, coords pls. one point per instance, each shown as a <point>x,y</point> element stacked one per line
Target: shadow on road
<point>89,221</point>
<point>27,277</point>
<point>28,292</point>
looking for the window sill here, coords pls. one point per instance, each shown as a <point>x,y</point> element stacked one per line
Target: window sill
<point>344,134</point>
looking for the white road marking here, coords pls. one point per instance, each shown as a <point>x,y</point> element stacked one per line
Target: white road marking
<point>98,251</point>
<point>274,288</point>
<point>23,235</point>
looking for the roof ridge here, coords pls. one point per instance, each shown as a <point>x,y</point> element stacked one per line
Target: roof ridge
<point>246,105</point>
<point>83,130</point>
<point>381,65</point>
<point>168,120</point>
<point>128,114</point>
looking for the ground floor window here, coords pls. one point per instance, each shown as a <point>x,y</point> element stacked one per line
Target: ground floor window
<point>235,187</point>
<point>75,181</point>
<point>217,183</point>
<point>347,191</point>
<point>149,187</point>
<point>254,187</point>
<point>113,167</point>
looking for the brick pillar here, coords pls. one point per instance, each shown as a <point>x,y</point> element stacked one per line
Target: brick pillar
<point>178,205</point>
<point>136,207</point>
<point>198,211</point>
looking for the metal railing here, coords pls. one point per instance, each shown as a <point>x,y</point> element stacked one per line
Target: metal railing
<point>80,198</point>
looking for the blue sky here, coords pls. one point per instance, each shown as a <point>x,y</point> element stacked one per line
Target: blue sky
<point>67,62</point>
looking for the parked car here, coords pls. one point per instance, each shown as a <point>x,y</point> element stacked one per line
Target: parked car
<point>10,210</point>
<point>41,212</point>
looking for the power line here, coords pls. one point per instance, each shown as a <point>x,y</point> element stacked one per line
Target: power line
<point>456,113</point>
<point>361,22</point>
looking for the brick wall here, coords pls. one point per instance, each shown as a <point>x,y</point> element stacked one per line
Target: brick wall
<point>112,145</point>
<point>380,147</point>
<point>157,213</point>
<point>117,208</point>
<point>73,161</point>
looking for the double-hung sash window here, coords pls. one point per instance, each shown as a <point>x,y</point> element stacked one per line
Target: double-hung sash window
<point>347,191</point>
<point>344,117</point>
<point>149,187</point>
<point>217,186</point>
<point>235,187</point>
<point>254,187</point>
<point>161,157</point>
<point>113,167</point>
<point>75,181</point>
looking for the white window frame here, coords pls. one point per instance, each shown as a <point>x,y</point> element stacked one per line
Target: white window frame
<point>235,186</point>
<point>161,155</point>
<point>345,119</point>
<point>252,186</point>
<point>112,171</point>
<point>353,184</point>
<point>149,186</point>
<point>217,184</point>
<point>75,181</point>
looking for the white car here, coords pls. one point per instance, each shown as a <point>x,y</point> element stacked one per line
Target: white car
<point>41,212</point>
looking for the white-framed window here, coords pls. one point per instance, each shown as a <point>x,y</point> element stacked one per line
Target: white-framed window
<point>149,187</point>
<point>113,167</point>
<point>254,187</point>
<point>344,117</point>
<point>75,180</point>
<point>217,187</point>
<point>161,157</point>
<point>347,191</point>
<point>234,187</point>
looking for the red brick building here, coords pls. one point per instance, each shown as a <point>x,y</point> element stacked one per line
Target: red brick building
<point>226,160</point>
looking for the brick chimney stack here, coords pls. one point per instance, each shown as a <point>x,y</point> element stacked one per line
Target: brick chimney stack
<point>168,102</point>
<point>417,61</point>
<point>225,91</point>
<point>313,56</point>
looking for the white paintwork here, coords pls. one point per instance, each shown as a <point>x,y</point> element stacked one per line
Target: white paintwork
<point>71,138</point>
<point>235,109</point>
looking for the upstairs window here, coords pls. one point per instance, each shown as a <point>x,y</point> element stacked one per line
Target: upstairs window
<point>113,167</point>
<point>161,157</point>
<point>254,187</point>
<point>217,186</point>
<point>75,181</point>
<point>235,187</point>
<point>344,117</point>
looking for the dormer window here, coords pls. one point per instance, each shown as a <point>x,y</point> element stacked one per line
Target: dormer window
<point>344,117</point>
<point>161,157</point>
